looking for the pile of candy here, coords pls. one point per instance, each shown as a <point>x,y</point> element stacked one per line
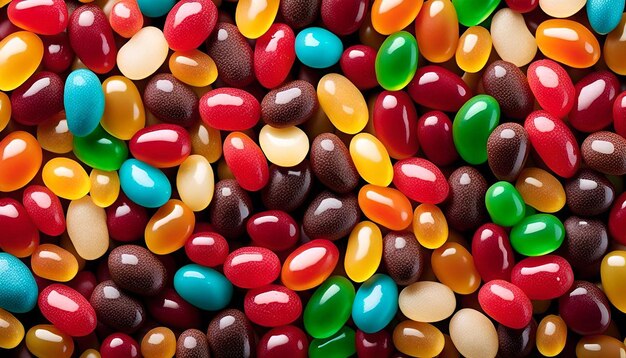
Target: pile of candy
<point>392,178</point>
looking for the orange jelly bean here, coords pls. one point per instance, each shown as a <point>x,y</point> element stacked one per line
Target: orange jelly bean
<point>437,17</point>
<point>614,50</point>
<point>551,336</point>
<point>66,178</point>
<point>389,16</point>
<point>5,110</point>
<point>159,342</point>
<point>20,159</point>
<point>474,49</point>
<point>169,228</point>
<point>11,330</point>
<point>45,340</point>
<point>54,135</point>
<point>20,54</point>
<point>454,267</point>
<point>385,206</point>
<point>194,68</point>
<point>124,113</point>
<point>105,187</point>
<point>54,263</point>
<point>568,42</point>
<point>430,226</point>
<point>541,190</point>
<point>206,141</point>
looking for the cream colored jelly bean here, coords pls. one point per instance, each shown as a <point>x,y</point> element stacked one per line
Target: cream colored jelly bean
<point>105,187</point>
<point>427,301</point>
<point>195,182</point>
<point>285,147</point>
<point>474,49</point>
<point>473,334</point>
<point>371,159</point>
<point>143,54</point>
<point>561,8</point>
<point>511,38</point>
<point>343,103</point>
<point>87,228</point>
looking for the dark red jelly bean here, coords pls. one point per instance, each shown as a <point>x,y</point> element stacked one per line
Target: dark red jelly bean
<point>516,342</point>
<point>171,310</point>
<point>251,267</point>
<point>19,235</point>
<point>189,23</point>
<point>274,55</point>
<point>589,193</point>
<point>91,38</point>
<point>45,209</point>
<point>552,87</point>
<point>586,241</point>
<point>126,221</point>
<point>230,208</point>
<point>420,180</point>
<point>403,257</point>
<point>373,345</point>
<point>119,345</point>
<point>619,114</point>
<point>84,283</point>
<point>192,343</point>
<point>508,85</point>
<point>287,188</point>
<point>593,107</point>
<point>57,53</point>
<point>522,6</point>
<point>272,306</point>
<point>358,65</point>
<point>585,309</point>
<point>41,17</point>
<point>286,341</point>
<point>289,105</point>
<point>605,152</point>
<point>117,309</point>
<point>232,55</point>
<point>434,134</point>
<point>332,164</point>
<point>207,248</point>
<point>161,145</point>
<point>346,20</point>
<point>38,99</point>
<point>617,219</point>
<point>6,26</point>
<point>492,252</point>
<point>543,277</point>
<point>331,216</point>
<point>246,161</point>
<point>230,109</point>
<point>506,303</point>
<point>171,101</point>
<point>300,13</point>
<point>507,151</point>
<point>67,309</point>
<point>231,335</point>
<point>395,123</point>
<point>137,270</point>
<point>273,229</point>
<point>440,89</point>
<point>465,209</point>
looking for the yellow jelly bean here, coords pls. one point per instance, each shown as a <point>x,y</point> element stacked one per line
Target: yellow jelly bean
<point>194,68</point>
<point>613,273</point>
<point>561,8</point>
<point>614,50</point>
<point>285,147</point>
<point>418,339</point>
<point>389,16</point>
<point>169,227</point>
<point>511,38</point>
<point>20,54</point>
<point>105,187</point>
<point>53,263</point>
<point>454,267</point>
<point>87,228</point>
<point>66,178</point>
<point>5,110</point>
<point>551,335</point>
<point>195,182</point>
<point>124,113</point>
<point>206,141</point>
<point>159,342</point>
<point>47,341</point>
<point>343,103</point>
<point>430,226</point>
<point>541,190</point>
<point>90,353</point>
<point>54,135</point>
<point>11,330</point>
<point>364,251</point>
<point>371,159</point>
<point>474,49</point>
<point>254,17</point>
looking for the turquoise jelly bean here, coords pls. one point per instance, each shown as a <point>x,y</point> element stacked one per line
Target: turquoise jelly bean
<point>203,287</point>
<point>318,48</point>
<point>144,184</point>
<point>375,304</point>
<point>84,102</point>
<point>604,15</point>
<point>18,289</point>
<point>155,8</point>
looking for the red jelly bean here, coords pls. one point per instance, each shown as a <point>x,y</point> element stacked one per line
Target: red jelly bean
<point>506,303</point>
<point>171,310</point>
<point>119,345</point>
<point>45,209</point>
<point>207,248</point>
<point>554,142</point>
<point>343,17</point>
<point>246,161</point>
<point>38,99</point>
<point>272,306</point>
<point>434,133</point>
<point>273,229</point>
<point>126,221</point>
<point>552,87</point>
<point>522,6</point>
<point>358,64</point>
<point>57,53</point>
<point>92,38</point>
<point>420,180</point>
<point>230,109</point>
<point>593,107</point>
<point>286,341</point>
<point>543,277</point>
<point>189,24</point>
<point>84,283</point>
<point>274,55</point>
<point>619,114</point>
<point>251,267</point>
<point>126,18</point>
<point>617,219</point>
<point>492,252</point>
<point>41,17</point>
<point>68,310</point>
<point>373,345</point>
<point>19,235</point>
<point>437,88</point>
<point>395,123</point>
<point>585,309</point>
<point>309,265</point>
<point>161,145</point>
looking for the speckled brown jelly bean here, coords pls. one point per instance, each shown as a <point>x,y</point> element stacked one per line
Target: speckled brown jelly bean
<point>300,13</point>
<point>230,207</point>
<point>465,207</point>
<point>586,241</point>
<point>230,335</point>
<point>331,216</point>
<point>287,188</point>
<point>605,152</point>
<point>232,54</point>
<point>507,151</point>
<point>171,101</point>
<point>516,342</point>
<point>137,270</point>
<point>585,309</point>
<point>403,257</point>
<point>589,193</point>
<point>192,343</point>
<point>289,105</point>
<point>509,86</point>
<point>117,309</point>
<point>332,165</point>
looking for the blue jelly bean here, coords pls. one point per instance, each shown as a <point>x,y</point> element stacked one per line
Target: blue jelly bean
<point>84,102</point>
<point>604,15</point>
<point>144,184</point>
<point>203,287</point>
<point>375,303</point>
<point>318,48</point>
<point>18,289</point>
<point>155,8</point>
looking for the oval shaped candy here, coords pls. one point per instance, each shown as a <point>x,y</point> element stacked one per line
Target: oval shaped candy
<point>92,39</point>
<point>20,54</point>
<point>371,159</point>
<point>427,301</point>
<point>403,257</point>
<point>309,265</point>
<point>396,61</point>
<point>420,180</point>
<point>45,209</point>
<point>100,150</point>
<point>473,125</point>
<point>20,161</point>
<point>465,207</point>
<point>86,227</point>
<point>272,306</point>
<point>395,123</point>
<point>418,339</point>
<point>343,103</point>
<point>552,87</point>
<point>434,134</point>
<point>232,55</point>
<point>385,206</point>
<point>230,208</point>
<point>19,293</point>
<point>83,99</point>
<point>329,307</point>
<point>512,39</point>
<point>389,17</point>
<point>505,82</point>
<point>504,204</point>
<point>117,309</point>
<point>505,303</point>
<point>43,18</point>
<point>171,101</point>
<point>364,238</point>
<point>289,105</point>
<point>375,303</point>
<point>543,277</point>
<point>585,309</point>
<point>331,216</point>
<point>124,112</point>
<point>346,21</point>
<point>230,109</point>
<point>38,99</point>
<point>507,150</point>
<point>492,252</point>
<point>473,12</point>
<point>604,16</point>
<point>68,310</point>
<point>358,64</point>
<point>189,23</point>
<point>438,88</point>
<point>143,54</point>
<point>604,151</point>
<point>246,161</point>
<point>454,266</point>
<point>554,36</point>
<point>195,283</point>
<point>144,184</point>
<point>252,267</point>
<point>274,55</point>
<point>589,193</point>
<point>332,164</point>
<point>593,104</point>
<point>437,17</point>
<point>313,40</point>
<point>161,145</point>
<point>473,334</point>
<point>537,235</point>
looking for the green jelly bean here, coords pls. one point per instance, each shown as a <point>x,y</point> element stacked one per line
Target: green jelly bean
<point>339,345</point>
<point>396,61</point>
<point>472,126</point>
<point>100,150</point>
<point>505,204</point>
<point>329,308</point>
<point>537,235</point>
<point>473,12</point>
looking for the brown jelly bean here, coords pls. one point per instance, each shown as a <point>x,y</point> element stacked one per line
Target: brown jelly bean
<point>287,188</point>
<point>586,241</point>
<point>171,101</point>
<point>192,343</point>
<point>137,270</point>
<point>332,164</point>
<point>465,208</point>
<point>507,151</point>
<point>585,309</point>
<point>506,83</point>
<point>331,216</point>
<point>232,54</point>
<point>229,209</point>
<point>404,258</point>
<point>589,193</point>
<point>289,105</point>
<point>230,335</point>
<point>299,13</point>
<point>171,310</point>
<point>516,342</point>
<point>117,309</point>
<point>38,99</point>
<point>605,152</point>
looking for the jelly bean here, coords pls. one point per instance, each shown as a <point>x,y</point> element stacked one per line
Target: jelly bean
<point>192,343</point>
<point>194,283</point>
<point>254,17</point>
<point>12,330</point>
<point>332,164</point>
<point>555,8</point>
<point>161,145</point>
<point>364,252</point>
<point>504,204</point>
<point>358,65</point>
<point>86,227</point>
<point>341,344</point>
<point>53,263</point>
<point>144,184</point>
<point>391,16</point>
<point>454,266</point>
<point>330,216</point>
<point>612,272</point>
<point>90,353</point>
<point>309,265</point>
<point>437,16</point>
<point>117,309</point>
<point>169,228</point>
<point>517,342</point>
<point>92,39</point>
<point>600,346</point>
<point>465,206</point>
<point>541,190</point>
<point>125,219</point>
<point>473,334</point>
<point>346,21</point>
<point>137,270</point>
<point>604,16</point>
<point>617,219</point>
<point>385,206</point>
<point>430,226</point>
<point>126,18</point>
<point>371,159</point>
<point>614,48</point>
<point>143,54</point>
<point>555,36</point>
<point>472,126</point>
<point>156,8</point>
<point>392,112</point>
<point>542,278</point>
<point>230,109</point>
<point>232,55</point>
<point>206,249</point>
<point>246,161</point>
<point>522,6</point>
<point>43,18</point>
<point>508,85</point>
<point>418,339</point>
<point>343,103</point>
<point>230,208</point>
<point>193,67</point>
<point>105,187</point>
<point>432,84</point>
<point>473,12</point>
<point>68,310</point>
<point>158,342</point>
<point>589,193</point>
<point>100,150</point>
<point>272,306</point>
<point>312,40</point>
<point>507,151</point>
<point>551,335</point>
<point>119,345</point>
<point>370,345</point>
<point>286,341</point>
<point>403,257</point>
<point>273,229</point>
<point>586,241</point>
<point>195,182</point>
<point>552,87</point>
<point>603,151</point>
<point>58,54</point>
<point>171,101</point>
<point>20,236</point>
<point>492,252</point>
<point>595,94</point>
<point>21,53</point>
<point>44,208</point>
<point>189,23</point>
<point>288,188</point>
<point>5,110</point>
<point>19,293</point>
<point>508,28</point>
<point>537,235</point>
<point>170,309</point>
<point>427,301</point>
<point>299,13</point>
<point>286,147</point>
<point>289,105</point>
<point>231,334</point>
<point>38,99</point>
<point>398,51</point>
<point>206,141</point>
<point>54,135</point>
<point>375,303</point>
<point>274,55</point>
<point>329,307</point>
<point>45,340</point>
<point>66,178</point>
<point>252,267</point>
<point>84,102</point>
<point>124,112</point>
<point>585,309</point>
<point>434,134</point>
<point>474,49</point>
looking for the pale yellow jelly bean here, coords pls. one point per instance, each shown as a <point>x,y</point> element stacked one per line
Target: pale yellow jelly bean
<point>5,110</point>
<point>511,38</point>
<point>143,54</point>
<point>11,330</point>
<point>427,301</point>
<point>194,68</point>
<point>206,141</point>
<point>54,135</point>
<point>371,159</point>
<point>87,228</point>
<point>473,334</point>
<point>474,49</point>
<point>613,273</point>
<point>430,226</point>
<point>124,113</point>
<point>20,55</point>
<point>254,17</point>
<point>285,147</point>
<point>195,182</point>
<point>561,8</point>
<point>53,263</point>
<point>66,178</point>
<point>418,339</point>
<point>105,187</point>
<point>343,103</point>
<point>364,251</point>
<point>551,335</point>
